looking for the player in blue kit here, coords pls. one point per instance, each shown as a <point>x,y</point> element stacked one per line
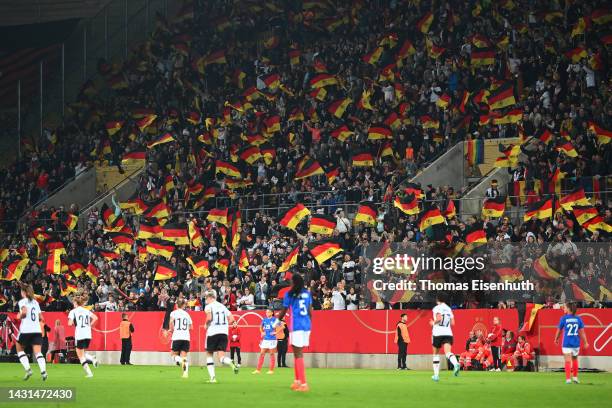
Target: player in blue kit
<point>573,332</point>
<point>268,341</point>
<point>299,300</point>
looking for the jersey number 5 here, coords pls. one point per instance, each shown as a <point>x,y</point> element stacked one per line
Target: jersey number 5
<point>303,310</point>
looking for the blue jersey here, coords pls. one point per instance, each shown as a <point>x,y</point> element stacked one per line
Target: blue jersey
<point>300,310</point>
<point>571,325</point>
<point>268,324</point>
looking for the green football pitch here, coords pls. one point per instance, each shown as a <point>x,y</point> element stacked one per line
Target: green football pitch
<point>161,386</point>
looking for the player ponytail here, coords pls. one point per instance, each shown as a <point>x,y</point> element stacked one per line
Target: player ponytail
<point>180,303</point>
<point>297,285</point>
<point>28,291</point>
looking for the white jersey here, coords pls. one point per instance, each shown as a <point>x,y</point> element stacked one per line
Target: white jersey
<point>443,327</point>
<point>219,323</point>
<point>31,322</point>
<point>81,318</point>
<point>182,322</point>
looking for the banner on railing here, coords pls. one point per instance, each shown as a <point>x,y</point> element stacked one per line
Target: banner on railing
<point>359,332</point>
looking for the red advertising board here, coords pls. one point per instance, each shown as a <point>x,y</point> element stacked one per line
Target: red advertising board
<point>363,331</point>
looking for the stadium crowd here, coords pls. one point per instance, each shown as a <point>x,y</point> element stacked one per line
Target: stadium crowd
<point>262,106</point>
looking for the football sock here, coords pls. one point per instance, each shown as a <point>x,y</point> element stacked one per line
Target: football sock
<point>177,359</point>
<point>260,362</point>
<point>272,361</point>
<point>210,365</point>
<point>42,363</point>
<point>86,367</point>
<point>23,359</point>
<point>226,360</point>
<point>186,365</point>
<point>436,365</point>
<point>568,368</point>
<point>295,371</point>
<point>90,358</point>
<point>575,367</point>
<point>452,358</point>
<point>299,363</point>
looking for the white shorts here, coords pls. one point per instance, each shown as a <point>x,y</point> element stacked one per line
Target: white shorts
<point>300,338</point>
<point>268,344</point>
<point>571,350</point>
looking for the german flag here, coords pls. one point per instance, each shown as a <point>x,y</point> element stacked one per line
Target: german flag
<point>337,108</point>
<point>268,153</point>
<point>576,54</point>
<point>308,167</point>
<point>425,22</point>
<point>393,121</point>
<point>318,94</point>
<point>217,57</point>
<point>363,159</point>
<point>443,101</point>
<point>508,273</point>
<point>69,220</point>
<point>113,127</point>
<point>145,122</point>
<point>76,267</point>
<point>165,138</point>
<point>164,271</point>
<point>386,150</point>
<point>603,135</point>
<point>156,246</point>
<point>408,204</point>
<point>576,197</point>
<point>293,216</point>
<point>366,213</point>
<point>324,250</point>
<point>464,101</point>
<point>379,132</point>
<point>482,56</point>
<point>92,272</point>
<point>342,133</point>
<point>406,50</point>
<point>108,255</point>
<point>580,294</point>
<point>331,175</point>
<point>228,169</point>
<point>290,260</point>
<point>271,81</point>
<point>502,96</point>
<point>429,218</point>
<point>584,213</point>
<point>413,188</point>
<point>15,269</point>
<point>149,228</point>
<point>512,116</point>
<point>134,158</point>
<point>222,264</point>
<point>296,115</point>
<point>272,124</point>
<point>539,210</point>
<point>54,245</point>
<point>545,137</point>
<point>67,286</point>
<point>243,261</point>
<point>294,57</point>
<point>568,149</point>
<point>323,80</point>
<point>373,57</point>
<point>427,122</point>
<point>451,210</point>
<point>195,236</point>
<point>157,209</point>
<point>52,264</point>
<point>122,240</point>
<point>236,229</point>
<point>257,140</point>
<point>250,154</point>
<point>322,224</point>
<point>543,270</point>
<point>597,223</point>
<point>493,207</point>
<point>199,265</point>
<point>474,234</point>
<point>218,215</point>
<point>175,232</point>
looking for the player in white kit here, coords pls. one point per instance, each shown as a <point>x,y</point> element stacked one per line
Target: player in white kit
<point>180,326</point>
<point>218,319</point>
<point>83,319</point>
<point>442,336</point>
<point>29,332</point>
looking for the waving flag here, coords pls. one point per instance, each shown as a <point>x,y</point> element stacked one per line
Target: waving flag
<point>293,216</point>
<point>324,250</point>
<point>543,270</point>
<point>366,213</point>
<point>164,271</point>
<point>290,260</point>
<point>322,224</point>
<point>408,204</point>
